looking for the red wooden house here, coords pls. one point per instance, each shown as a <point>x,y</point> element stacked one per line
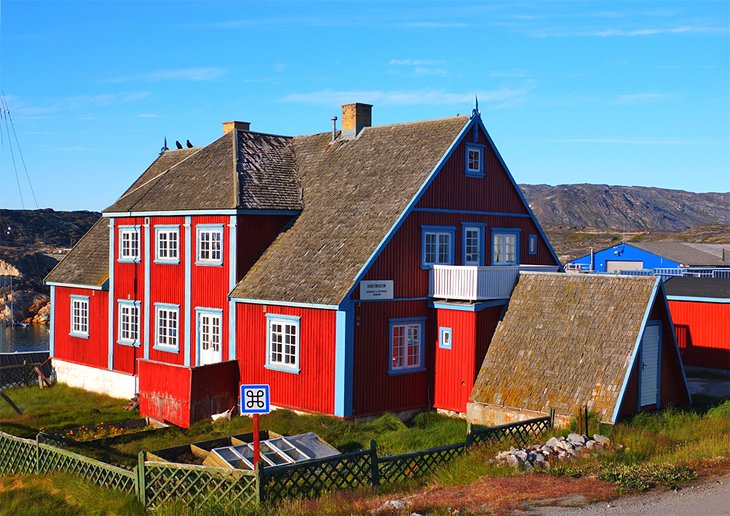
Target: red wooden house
<point>356,273</point>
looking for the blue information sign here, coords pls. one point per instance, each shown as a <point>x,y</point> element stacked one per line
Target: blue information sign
<point>255,399</point>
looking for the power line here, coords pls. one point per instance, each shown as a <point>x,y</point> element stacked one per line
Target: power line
<point>20,151</point>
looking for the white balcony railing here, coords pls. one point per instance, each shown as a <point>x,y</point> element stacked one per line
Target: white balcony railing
<point>472,283</point>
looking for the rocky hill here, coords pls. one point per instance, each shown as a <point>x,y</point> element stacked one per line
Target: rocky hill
<point>625,208</point>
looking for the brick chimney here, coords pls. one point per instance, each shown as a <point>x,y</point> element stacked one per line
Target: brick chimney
<point>355,117</point>
<point>230,126</point>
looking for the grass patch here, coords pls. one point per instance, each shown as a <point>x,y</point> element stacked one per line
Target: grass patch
<point>62,494</point>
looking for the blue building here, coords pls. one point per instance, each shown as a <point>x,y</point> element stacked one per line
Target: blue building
<point>654,255</point>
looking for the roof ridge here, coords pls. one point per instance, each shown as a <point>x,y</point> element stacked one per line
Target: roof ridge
<point>158,176</point>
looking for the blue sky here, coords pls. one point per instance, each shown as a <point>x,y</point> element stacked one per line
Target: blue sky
<point>620,92</point>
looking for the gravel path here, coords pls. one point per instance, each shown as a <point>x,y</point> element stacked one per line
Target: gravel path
<point>710,497</point>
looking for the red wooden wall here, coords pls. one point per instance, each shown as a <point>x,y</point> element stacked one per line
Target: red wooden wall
<point>255,233</point>
<point>313,388</point>
<point>374,390</point>
<point>93,351</point>
<point>703,332</point>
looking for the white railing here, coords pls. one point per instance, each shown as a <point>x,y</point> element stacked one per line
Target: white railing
<point>471,283</point>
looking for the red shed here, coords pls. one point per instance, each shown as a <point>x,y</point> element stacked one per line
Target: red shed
<point>701,313</point>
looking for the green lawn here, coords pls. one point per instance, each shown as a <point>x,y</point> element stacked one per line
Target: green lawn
<point>63,407</point>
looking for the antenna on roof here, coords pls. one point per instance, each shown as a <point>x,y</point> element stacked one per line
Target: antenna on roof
<point>475,111</point>
<point>164,147</point>
<point>334,128</point>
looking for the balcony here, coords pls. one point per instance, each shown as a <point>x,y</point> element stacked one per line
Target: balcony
<point>472,283</point>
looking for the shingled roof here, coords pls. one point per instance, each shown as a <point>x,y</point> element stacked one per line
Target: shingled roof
<point>565,341</point>
<point>354,190</point>
<point>718,288</point>
<point>688,254</point>
<point>88,262</point>
<point>241,169</point>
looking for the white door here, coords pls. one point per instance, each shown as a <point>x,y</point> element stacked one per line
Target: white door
<point>649,371</point>
<point>209,335</point>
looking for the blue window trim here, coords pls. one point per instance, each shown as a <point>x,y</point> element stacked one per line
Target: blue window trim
<point>72,333</point>
<point>126,229</point>
<point>166,348</point>
<point>209,227</point>
<point>288,319</point>
<point>443,330</point>
<point>406,320</point>
<point>532,244</point>
<point>506,231</point>
<point>451,230</point>
<point>167,228</point>
<point>199,310</point>
<point>474,173</point>
<point>482,231</point>
<point>120,340</point>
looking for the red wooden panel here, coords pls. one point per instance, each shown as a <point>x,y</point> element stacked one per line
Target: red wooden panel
<point>487,321</point>
<point>374,390</point>
<point>255,233</point>
<point>703,332</point>
<point>313,388</point>
<point>93,351</point>
<point>210,284</point>
<point>454,368</point>
<point>453,189</point>
<point>164,392</point>
<point>214,389</point>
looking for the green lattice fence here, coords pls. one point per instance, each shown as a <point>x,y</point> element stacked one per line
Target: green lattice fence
<point>100,473</point>
<point>223,489</point>
<point>395,468</point>
<point>312,478</point>
<point>513,434</point>
<point>17,455</point>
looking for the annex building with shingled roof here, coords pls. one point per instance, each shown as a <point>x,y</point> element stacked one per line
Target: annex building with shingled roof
<point>569,341</point>
<point>355,272</point>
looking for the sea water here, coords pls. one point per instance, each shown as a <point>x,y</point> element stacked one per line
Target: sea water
<point>33,338</point>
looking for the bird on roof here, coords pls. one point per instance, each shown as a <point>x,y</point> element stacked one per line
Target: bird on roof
<point>190,145</point>
<point>178,144</point>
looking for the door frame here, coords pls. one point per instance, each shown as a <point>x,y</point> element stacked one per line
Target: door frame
<point>657,403</point>
<point>198,340</point>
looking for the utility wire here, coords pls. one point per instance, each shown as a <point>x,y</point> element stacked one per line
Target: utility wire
<point>20,151</point>
<point>12,155</point>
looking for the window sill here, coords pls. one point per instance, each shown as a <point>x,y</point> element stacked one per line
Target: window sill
<point>167,262</point>
<point>79,335</point>
<point>282,369</point>
<point>473,173</point>
<point>209,264</point>
<point>398,372</point>
<point>131,344</point>
<point>166,349</point>
<point>129,260</point>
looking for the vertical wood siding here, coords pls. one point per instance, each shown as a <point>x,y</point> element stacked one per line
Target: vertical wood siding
<point>255,234</point>
<point>92,351</point>
<point>374,390</point>
<point>128,285</point>
<point>164,392</point>
<point>703,332</point>
<point>487,321</point>
<point>313,388</point>
<point>454,368</point>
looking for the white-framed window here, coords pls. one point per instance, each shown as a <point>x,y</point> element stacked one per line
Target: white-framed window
<point>474,165</point>
<point>437,245</point>
<point>505,247</point>
<point>128,322</point>
<point>532,244</point>
<point>210,245</point>
<point>167,248</point>
<point>129,243</point>
<point>210,336</point>
<point>406,345</point>
<point>167,319</point>
<point>473,240</point>
<point>80,316</point>
<point>445,337</point>
<point>282,343</point>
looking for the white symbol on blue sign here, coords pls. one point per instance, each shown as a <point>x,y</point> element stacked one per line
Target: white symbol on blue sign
<point>255,399</point>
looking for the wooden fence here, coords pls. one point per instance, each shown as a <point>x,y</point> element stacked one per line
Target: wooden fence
<point>154,483</point>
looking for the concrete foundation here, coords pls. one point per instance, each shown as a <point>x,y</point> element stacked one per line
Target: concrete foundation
<point>103,381</point>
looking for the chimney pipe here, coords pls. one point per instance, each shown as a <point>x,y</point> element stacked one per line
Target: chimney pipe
<point>334,128</point>
<point>355,117</point>
<point>240,126</point>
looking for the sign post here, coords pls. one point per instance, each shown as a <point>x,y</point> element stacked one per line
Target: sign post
<point>255,400</point>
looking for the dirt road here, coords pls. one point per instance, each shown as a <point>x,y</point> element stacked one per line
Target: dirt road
<point>710,497</point>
